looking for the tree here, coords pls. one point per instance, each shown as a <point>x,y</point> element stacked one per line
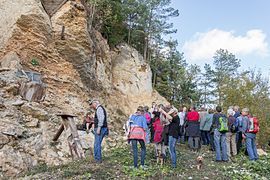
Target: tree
<point>206,86</point>
<point>225,67</point>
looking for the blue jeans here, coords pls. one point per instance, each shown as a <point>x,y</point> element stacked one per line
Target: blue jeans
<point>239,141</point>
<point>148,135</point>
<point>135,151</point>
<point>220,145</point>
<point>205,137</point>
<point>251,146</point>
<point>172,143</point>
<point>98,142</point>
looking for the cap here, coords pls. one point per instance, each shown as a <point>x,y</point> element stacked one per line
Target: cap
<point>91,101</point>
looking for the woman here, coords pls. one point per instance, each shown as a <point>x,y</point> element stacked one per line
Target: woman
<point>158,129</point>
<point>174,129</point>
<point>193,129</point>
<point>138,126</point>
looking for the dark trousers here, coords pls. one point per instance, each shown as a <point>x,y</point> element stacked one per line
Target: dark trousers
<point>239,141</point>
<point>211,142</point>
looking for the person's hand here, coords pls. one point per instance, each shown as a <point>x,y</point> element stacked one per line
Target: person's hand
<point>243,136</point>
<point>98,130</point>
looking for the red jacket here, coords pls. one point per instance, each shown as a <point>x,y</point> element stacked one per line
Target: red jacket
<point>158,131</point>
<point>193,116</point>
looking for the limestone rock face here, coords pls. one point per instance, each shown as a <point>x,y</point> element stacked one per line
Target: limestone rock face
<point>75,64</point>
<point>131,74</point>
<point>11,61</point>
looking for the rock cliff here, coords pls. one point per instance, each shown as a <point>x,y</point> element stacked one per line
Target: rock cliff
<point>48,43</point>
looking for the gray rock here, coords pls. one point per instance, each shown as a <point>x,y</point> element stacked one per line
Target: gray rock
<point>3,140</point>
<point>18,102</point>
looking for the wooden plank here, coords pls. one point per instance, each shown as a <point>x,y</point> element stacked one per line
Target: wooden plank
<point>51,6</point>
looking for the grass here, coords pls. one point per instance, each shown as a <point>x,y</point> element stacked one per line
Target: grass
<point>117,164</point>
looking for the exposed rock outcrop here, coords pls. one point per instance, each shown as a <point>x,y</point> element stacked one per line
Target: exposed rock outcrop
<point>75,65</point>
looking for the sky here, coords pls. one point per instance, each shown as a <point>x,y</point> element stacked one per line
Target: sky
<point>240,26</point>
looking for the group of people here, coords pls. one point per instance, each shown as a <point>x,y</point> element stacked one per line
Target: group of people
<point>224,133</point>
<point>166,125</point>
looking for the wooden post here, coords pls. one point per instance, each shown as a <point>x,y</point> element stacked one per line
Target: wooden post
<point>73,139</point>
<point>59,132</point>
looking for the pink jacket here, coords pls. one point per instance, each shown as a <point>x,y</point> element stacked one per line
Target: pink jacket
<point>158,131</point>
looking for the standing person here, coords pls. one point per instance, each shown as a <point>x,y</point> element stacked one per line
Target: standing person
<point>152,111</point>
<point>204,132</point>
<point>249,133</point>
<point>100,128</point>
<point>147,115</point>
<point>182,116</point>
<point>208,125</point>
<point>236,111</point>
<point>238,124</point>
<point>231,135</point>
<point>158,129</point>
<point>219,123</point>
<point>173,134</point>
<point>138,127</point>
<point>165,119</point>
<point>193,129</point>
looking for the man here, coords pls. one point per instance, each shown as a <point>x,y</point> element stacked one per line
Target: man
<point>249,136</point>
<point>100,128</point>
<point>220,136</point>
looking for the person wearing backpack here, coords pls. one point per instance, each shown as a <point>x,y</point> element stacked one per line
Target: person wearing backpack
<point>137,134</point>
<point>220,125</point>
<point>249,130</point>
<point>231,134</point>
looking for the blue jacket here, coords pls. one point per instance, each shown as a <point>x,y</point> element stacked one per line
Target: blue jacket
<point>245,123</point>
<point>239,123</point>
<point>237,114</point>
<point>138,120</point>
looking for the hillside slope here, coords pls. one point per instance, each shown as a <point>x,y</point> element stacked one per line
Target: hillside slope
<point>118,162</point>
<point>75,64</point>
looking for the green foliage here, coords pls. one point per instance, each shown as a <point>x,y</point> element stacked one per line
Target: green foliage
<point>34,62</point>
<point>248,170</point>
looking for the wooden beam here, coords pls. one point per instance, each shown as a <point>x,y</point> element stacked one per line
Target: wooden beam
<point>59,132</point>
